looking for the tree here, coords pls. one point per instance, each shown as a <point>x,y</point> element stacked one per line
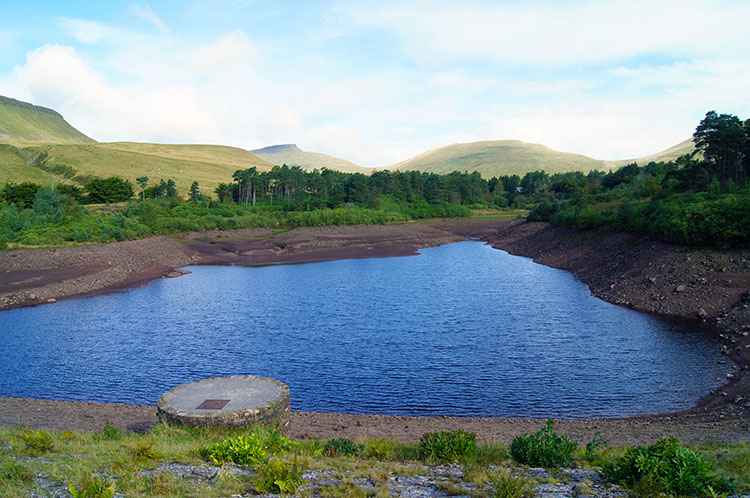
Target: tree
<point>112,189</point>
<point>22,194</point>
<point>195,193</point>
<point>724,141</point>
<point>142,181</point>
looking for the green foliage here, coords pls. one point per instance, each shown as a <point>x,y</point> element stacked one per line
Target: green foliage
<point>15,471</point>
<point>595,446</point>
<point>108,432</point>
<point>112,189</point>
<point>144,450</point>
<point>37,440</point>
<point>506,484</point>
<point>379,448</point>
<point>543,448</point>
<point>22,194</point>
<point>242,450</point>
<point>341,446</point>
<point>91,487</point>
<point>447,446</point>
<point>666,467</point>
<point>280,476</point>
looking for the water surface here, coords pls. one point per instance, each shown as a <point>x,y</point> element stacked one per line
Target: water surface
<point>461,329</point>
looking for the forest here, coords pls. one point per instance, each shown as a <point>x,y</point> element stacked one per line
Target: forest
<point>700,199</point>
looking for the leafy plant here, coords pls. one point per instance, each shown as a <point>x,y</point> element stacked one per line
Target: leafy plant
<point>505,484</point>
<point>108,432</point>
<point>145,451</point>
<point>594,446</point>
<point>38,440</point>
<point>280,476</point>
<point>91,487</point>
<point>543,448</point>
<point>341,446</point>
<point>666,467</point>
<point>447,446</point>
<point>379,448</point>
<point>242,450</point>
<point>15,471</point>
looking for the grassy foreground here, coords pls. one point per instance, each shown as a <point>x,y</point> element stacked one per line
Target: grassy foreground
<point>186,462</point>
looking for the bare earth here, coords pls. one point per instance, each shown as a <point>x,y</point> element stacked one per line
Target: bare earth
<point>644,275</point>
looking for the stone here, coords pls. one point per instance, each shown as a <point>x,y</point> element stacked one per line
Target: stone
<point>237,401</point>
<point>51,300</point>
<point>680,288</point>
<point>702,313</point>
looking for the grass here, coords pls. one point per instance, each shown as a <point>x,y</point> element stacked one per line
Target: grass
<point>130,464</point>
<point>22,122</point>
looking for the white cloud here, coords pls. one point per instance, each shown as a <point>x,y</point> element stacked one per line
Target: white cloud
<point>86,31</point>
<point>342,142</point>
<point>146,13</point>
<point>556,33</point>
<point>234,48</point>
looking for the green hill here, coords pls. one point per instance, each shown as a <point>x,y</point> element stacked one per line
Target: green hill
<point>672,153</point>
<point>497,158</point>
<point>23,122</point>
<point>291,155</point>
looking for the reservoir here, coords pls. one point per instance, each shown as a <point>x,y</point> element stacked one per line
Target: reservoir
<point>461,329</point>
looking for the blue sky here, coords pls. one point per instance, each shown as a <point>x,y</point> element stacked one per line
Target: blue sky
<point>378,82</point>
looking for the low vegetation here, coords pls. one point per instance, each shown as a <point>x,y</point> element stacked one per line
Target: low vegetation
<point>169,461</point>
<point>543,448</point>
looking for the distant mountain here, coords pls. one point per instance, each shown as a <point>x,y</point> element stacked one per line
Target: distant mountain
<point>28,123</point>
<point>513,157</point>
<point>497,158</point>
<point>291,155</point>
<point>672,153</point>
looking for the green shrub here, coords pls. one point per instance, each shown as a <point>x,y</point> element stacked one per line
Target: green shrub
<point>15,471</point>
<point>242,450</point>
<point>666,467</point>
<point>108,432</point>
<point>543,448</point>
<point>447,446</point>
<point>91,487</point>
<point>594,447</point>
<point>505,484</point>
<point>37,440</point>
<point>379,449</point>
<point>279,476</point>
<point>145,451</point>
<point>341,446</point>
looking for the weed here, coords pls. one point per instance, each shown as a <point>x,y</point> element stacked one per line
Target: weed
<point>243,449</point>
<point>447,446</point>
<point>506,484</point>
<point>543,448</point>
<point>108,432</point>
<point>145,451</point>
<point>379,449</point>
<point>341,446</point>
<point>38,440</point>
<point>451,489</point>
<point>91,487</point>
<point>14,471</point>
<point>666,467</point>
<point>594,447</point>
<point>343,490</point>
<point>279,476</point>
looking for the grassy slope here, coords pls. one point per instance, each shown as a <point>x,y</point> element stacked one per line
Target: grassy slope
<point>14,167</point>
<point>22,122</point>
<point>509,157</point>
<point>497,157</point>
<point>291,155</point>
<point>209,165</point>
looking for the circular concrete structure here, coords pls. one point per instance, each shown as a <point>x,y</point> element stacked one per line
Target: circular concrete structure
<point>236,401</point>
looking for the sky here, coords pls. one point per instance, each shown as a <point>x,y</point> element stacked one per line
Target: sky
<point>381,81</point>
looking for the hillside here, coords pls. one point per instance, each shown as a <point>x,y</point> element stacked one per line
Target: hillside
<point>497,158</point>
<point>28,123</point>
<point>291,155</point>
<point>209,165</point>
<point>672,153</point>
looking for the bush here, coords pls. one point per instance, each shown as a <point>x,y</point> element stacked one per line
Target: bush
<point>341,446</point>
<point>666,467</point>
<point>543,448</point>
<point>447,446</point>
<point>91,487</point>
<point>505,484</point>
<point>379,449</point>
<point>108,432</point>
<point>244,449</point>
<point>278,476</point>
<point>14,471</point>
<point>38,440</point>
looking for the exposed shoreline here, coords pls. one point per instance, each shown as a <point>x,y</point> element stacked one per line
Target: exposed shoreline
<point>644,275</point>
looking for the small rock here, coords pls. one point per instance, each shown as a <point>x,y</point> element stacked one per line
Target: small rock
<point>51,300</point>
<point>702,313</point>
<point>32,297</point>
<point>680,288</point>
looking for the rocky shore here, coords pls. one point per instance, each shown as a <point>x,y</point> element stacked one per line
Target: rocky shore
<point>692,283</point>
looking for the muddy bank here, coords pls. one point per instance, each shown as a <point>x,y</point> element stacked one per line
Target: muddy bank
<point>64,415</point>
<point>712,285</point>
<point>38,276</point>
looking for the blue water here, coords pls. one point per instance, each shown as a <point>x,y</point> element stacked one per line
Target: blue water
<point>461,329</point>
